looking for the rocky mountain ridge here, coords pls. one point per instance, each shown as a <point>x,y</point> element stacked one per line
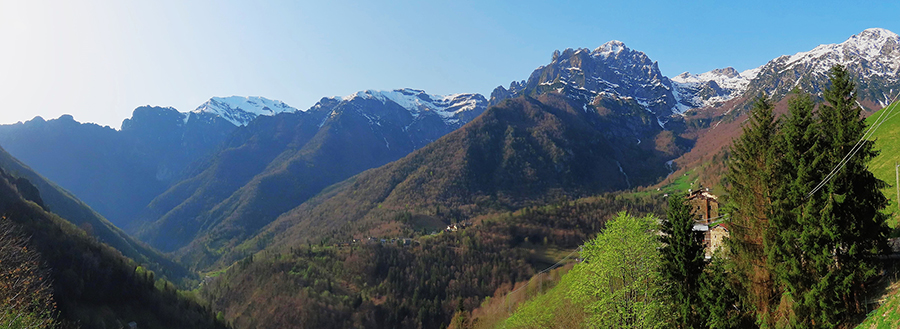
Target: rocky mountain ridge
<point>452,109</point>
<point>276,163</point>
<point>614,71</point>
<point>872,57</point>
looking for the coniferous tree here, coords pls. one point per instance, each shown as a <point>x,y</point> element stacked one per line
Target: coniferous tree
<point>852,228</point>
<point>802,251</point>
<point>750,185</point>
<point>793,226</point>
<point>682,262</point>
<point>720,296</point>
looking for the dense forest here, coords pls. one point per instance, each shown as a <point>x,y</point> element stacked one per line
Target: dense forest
<point>409,283</point>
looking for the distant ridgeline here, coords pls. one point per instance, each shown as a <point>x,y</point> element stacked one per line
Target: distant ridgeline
<point>244,177</point>
<point>576,127</point>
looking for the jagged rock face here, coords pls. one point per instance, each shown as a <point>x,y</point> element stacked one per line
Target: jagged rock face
<point>172,140</point>
<point>612,71</point>
<point>872,57</point>
<point>710,88</point>
<point>500,93</point>
<point>146,118</point>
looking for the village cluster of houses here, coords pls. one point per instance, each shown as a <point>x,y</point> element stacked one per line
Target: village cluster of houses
<point>374,240</point>
<point>457,226</point>
<point>403,241</point>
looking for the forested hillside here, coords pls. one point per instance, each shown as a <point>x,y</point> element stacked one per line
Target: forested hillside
<point>523,152</point>
<point>62,203</point>
<point>55,275</point>
<point>420,281</point>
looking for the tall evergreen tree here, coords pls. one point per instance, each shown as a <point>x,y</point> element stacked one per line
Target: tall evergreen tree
<point>793,226</point>
<point>850,222</point>
<point>720,294</point>
<point>682,262</point>
<point>750,185</point>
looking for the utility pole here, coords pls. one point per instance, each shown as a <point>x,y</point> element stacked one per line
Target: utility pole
<point>897,184</point>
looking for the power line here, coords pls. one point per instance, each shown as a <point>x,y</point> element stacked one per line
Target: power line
<point>871,131</point>
<point>551,267</point>
<point>720,216</point>
<point>850,153</point>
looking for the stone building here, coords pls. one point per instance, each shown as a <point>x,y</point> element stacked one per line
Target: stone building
<point>704,205</point>
<point>715,238</point>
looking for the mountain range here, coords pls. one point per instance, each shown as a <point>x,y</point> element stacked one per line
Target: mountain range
<point>244,176</point>
<point>211,169</point>
<point>576,127</point>
<point>116,171</point>
<point>275,163</point>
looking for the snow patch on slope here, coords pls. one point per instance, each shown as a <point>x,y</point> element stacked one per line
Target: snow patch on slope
<point>710,88</point>
<point>241,110</point>
<point>878,47</point>
<point>613,47</point>
<point>448,107</point>
<point>876,51</point>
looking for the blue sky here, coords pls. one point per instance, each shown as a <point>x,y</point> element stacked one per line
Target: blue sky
<point>98,60</point>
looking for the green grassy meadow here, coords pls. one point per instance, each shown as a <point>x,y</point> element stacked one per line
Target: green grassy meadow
<point>887,141</point>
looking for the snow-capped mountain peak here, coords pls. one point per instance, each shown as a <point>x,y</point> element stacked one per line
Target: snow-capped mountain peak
<point>872,54</point>
<point>241,110</point>
<point>710,88</point>
<point>871,45</point>
<point>718,75</point>
<point>448,107</point>
<point>872,57</point>
<point>613,47</point>
<point>610,73</point>
<point>873,37</point>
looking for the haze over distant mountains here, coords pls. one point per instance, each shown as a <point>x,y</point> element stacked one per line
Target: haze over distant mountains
<point>276,163</point>
<point>239,175</point>
<point>156,145</point>
<point>186,172</point>
<point>614,97</point>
